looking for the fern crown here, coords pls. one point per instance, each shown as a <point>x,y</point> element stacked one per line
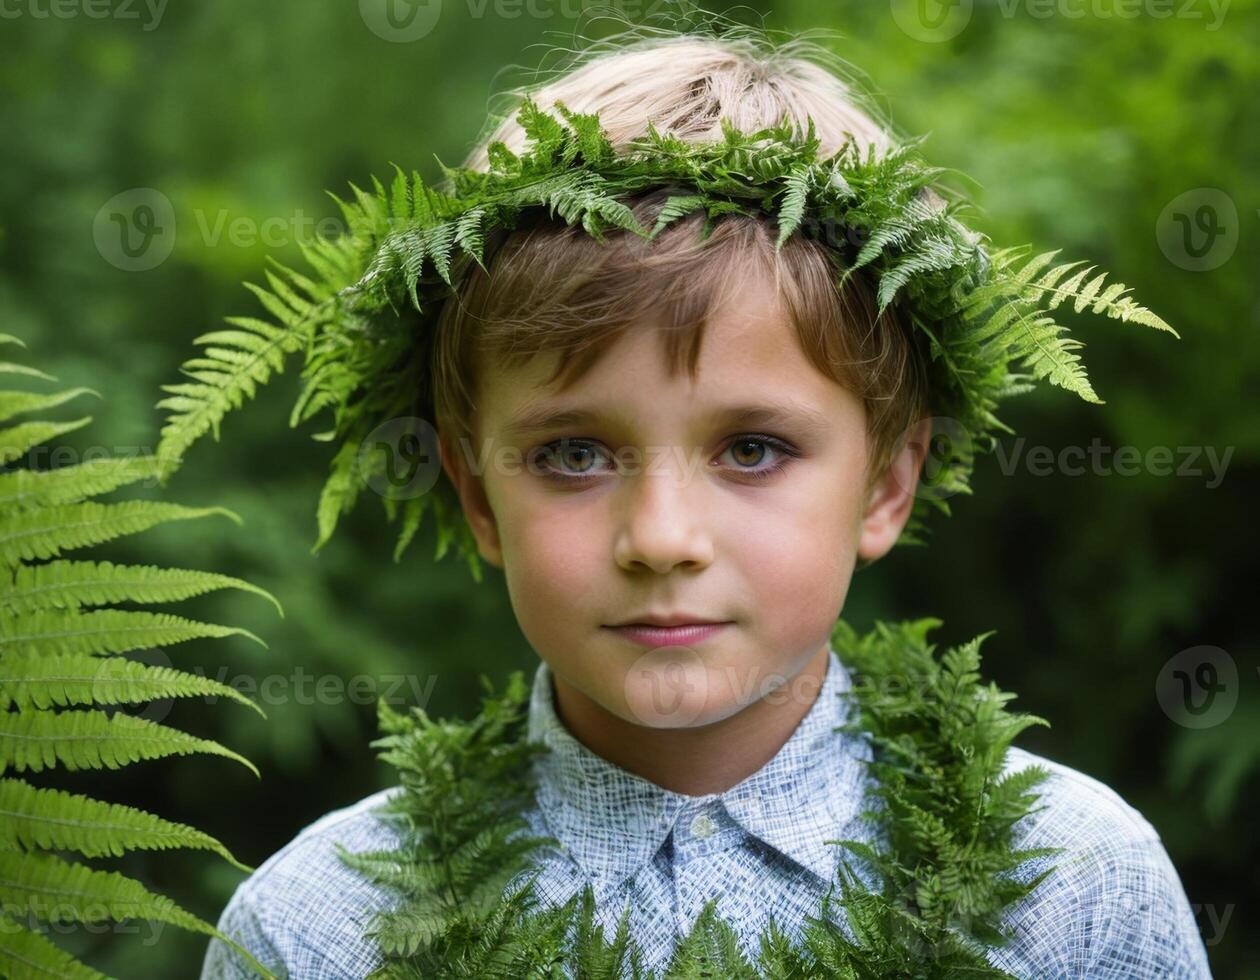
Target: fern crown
<point>985,318</point>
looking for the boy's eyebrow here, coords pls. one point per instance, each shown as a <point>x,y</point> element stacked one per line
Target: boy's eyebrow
<point>538,418</point>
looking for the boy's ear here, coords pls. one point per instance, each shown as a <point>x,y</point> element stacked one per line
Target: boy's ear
<point>891,498</point>
<point>473,501</point>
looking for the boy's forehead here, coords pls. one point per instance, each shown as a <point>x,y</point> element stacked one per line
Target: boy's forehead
<point>750,370</point>
<point>750,329</point>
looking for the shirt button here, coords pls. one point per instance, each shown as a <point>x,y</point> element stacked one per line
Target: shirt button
<point>702,826</point>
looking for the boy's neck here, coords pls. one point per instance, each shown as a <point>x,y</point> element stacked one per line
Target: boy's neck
<point>695,761</point>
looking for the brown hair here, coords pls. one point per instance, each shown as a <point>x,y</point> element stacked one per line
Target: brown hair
<point>553,287</point>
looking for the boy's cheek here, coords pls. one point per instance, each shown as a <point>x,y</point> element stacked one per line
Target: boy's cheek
<point>553,581</point>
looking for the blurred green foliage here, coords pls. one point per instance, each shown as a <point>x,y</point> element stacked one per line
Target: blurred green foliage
<point>1079,132</point>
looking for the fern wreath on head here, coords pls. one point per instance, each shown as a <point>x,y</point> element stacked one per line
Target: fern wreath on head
<point>986,318</point>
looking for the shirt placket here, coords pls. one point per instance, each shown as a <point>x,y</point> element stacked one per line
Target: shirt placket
<point>702,838</point>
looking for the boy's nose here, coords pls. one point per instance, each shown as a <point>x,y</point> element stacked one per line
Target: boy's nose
<point>663,524</point>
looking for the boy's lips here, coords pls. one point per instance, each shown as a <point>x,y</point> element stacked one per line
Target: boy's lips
<point>686,634</point>
<point>668,619</point>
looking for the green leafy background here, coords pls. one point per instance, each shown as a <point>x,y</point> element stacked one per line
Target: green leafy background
<point>1078,131</point>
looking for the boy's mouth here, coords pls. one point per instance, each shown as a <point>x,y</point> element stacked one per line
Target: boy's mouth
<point>653,634</point>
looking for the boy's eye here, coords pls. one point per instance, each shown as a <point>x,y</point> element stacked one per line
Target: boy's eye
<point>576,457</point>
<point>566,459</point>
<point>577,460</point>
<point>748,452</point>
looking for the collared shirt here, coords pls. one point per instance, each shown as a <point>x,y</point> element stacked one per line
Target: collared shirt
<point>1113,908</point>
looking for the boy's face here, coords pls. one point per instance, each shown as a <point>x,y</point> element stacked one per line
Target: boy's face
<point>663,502</point>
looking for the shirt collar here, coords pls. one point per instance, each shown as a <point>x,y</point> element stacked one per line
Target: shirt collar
<point>612,821</point>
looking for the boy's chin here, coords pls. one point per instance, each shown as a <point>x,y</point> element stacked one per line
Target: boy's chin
<point>673,687</point>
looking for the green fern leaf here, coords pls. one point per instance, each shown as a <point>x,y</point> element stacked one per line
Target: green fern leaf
<point>21,402</point>
<point>46,532</point>
<point>233,366</point>
<point>29,954</point>
<point>40,884</point>
<point>796,193</point>
<point>17,440</point>
<point>8,367</point>
<point>69,584</point>
<point>38,740</point>
<point>67,484</point>
<point>340,491</point>
<point>104,631</point>
<point>53,819</point>
<point>41,612</point>
<point>29,679</point>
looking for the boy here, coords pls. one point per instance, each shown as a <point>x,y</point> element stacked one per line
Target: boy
<point>710,440</point>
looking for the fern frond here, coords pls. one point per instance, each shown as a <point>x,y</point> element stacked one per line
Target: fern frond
<point>69,584</point>
<point>38,740</point>
<point>54,819</point>
<point>68,484</point>
<point>50,646</point>
<point>22,402</point>
<point>48,531</point>
<point>104,631</point>
<point>17,440</point>
<point>233,365</point>
<point>50,889</point>
<point>9,367</point>
<point>29,954</point>
<point>32,679</point>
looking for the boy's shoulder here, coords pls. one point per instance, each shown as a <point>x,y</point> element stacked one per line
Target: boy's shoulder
<point>1077,810</point>
<point>303,912</point>
<point>1113,906</point>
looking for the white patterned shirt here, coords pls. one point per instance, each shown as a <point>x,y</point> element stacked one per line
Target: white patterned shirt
<point>1114,908</point>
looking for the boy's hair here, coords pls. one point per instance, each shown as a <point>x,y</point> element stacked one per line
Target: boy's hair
<point>553,287</point>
